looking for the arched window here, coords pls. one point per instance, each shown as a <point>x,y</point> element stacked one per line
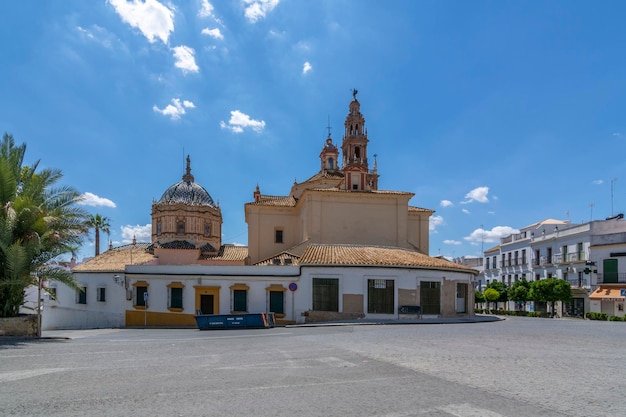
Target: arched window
<point>331,163</point>
<point>357,152</point>
<point>207,230</point>
<point>180,229</point>
<point>158,228</point>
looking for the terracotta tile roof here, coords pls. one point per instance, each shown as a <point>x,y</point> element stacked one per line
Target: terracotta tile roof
<point>228,253</point>
<point>359,255</point>
<point>116,259</point>
<point>272,200</point>
<point>338,190</point>
<point>420,210</point>
<point>324,175</point>
<point>294,253</point>
<point>284,258</point>
<point>494,249</point>
<point>607,294</point>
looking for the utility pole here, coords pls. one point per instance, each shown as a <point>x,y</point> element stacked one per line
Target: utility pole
<point>612,182</point>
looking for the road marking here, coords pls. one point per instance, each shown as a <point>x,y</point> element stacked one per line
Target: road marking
<point>17,375</point>
<point>468,410</point>
<point>336,362</point>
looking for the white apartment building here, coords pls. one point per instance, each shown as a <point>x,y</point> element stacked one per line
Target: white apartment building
<point>590,256</point>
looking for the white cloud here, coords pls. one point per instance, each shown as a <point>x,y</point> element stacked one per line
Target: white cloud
<point>90,199</point>
<point>446,203</point>
<point>257,9</point>
<point>451,242</point>
<point>239,121</point>
<point>617,134</point>
<point>98,34</point>
<point>141,233</point>
<point>275,34</point>
<point>154,20</point>
<point>206,10</point>
<point>176,109</point>
<point>185,58</point>
<point>214,33</point>
<point>306,67</point>
<point>434,222</point>
<point>598,182</point>
<point>477,194</point>
<point>490,236</point>
<point>466,211</point>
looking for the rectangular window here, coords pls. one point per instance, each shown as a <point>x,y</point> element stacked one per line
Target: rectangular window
<point>325,294</point>
<point>176,298</point>
<point>278,236</point>
<point>380,296</point>
<point>52,293</point>
<point>140,300</point>
<point>101,294</point>
<point>81,295</point>
<point>240,300</point>
<point>277,302</point>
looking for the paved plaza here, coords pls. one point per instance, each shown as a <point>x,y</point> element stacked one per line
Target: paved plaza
<point>515,367</point>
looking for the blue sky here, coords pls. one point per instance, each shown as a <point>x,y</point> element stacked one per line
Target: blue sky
<point>496,114</point>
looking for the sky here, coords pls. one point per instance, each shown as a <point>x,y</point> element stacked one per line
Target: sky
<point>495,114</point>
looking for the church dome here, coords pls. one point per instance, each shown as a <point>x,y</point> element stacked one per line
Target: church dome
<point>187,192</point>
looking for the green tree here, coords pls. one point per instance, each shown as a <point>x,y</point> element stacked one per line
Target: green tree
<point>502,290</point>
<point>550,290</point>
<point>479,297</point>
<point>520,291</point>
<point>39,221</point>
<point>491,296</point>
<point>98,223</point>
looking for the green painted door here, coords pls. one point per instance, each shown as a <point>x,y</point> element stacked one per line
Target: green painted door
<point>610,270</point>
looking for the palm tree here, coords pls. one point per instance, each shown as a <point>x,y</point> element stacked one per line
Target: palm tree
<point>39,221</point>
<point>98,222</point>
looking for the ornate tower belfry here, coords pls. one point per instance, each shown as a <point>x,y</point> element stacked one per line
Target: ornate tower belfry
<point>329,157</point>
<point>354,148</point>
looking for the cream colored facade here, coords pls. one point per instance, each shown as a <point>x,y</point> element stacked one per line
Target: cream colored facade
<point>336,205</point>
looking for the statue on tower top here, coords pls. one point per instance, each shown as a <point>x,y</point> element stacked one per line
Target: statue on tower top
<point>354,93</point>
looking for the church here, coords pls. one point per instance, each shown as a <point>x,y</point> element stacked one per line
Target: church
<point>335,247</point>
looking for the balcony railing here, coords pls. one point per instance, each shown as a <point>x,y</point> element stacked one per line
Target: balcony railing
<point>612,278</point>
<point>579,283</point>
<point>576,257</point>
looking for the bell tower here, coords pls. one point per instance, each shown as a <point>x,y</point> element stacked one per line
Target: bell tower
<point>354,148</point>
<point>329,157</point>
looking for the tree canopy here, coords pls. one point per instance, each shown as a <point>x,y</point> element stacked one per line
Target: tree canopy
<point>39,221</point>
<point>98,223</point>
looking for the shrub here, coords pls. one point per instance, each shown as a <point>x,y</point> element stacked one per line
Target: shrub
<point>592,315</point>
<point>616,318</point>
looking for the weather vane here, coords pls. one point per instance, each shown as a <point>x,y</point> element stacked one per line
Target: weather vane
<point>328,127</point>
<point>354,93</point>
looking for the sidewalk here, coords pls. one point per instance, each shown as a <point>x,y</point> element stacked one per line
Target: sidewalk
<point>425,320</point>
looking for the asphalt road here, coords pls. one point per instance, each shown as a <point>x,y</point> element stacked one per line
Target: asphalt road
<point>517,367</point>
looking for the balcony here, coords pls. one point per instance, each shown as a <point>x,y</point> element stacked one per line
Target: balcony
<point>576,257</point>
<point>612,278</point>
<point>579,283</point>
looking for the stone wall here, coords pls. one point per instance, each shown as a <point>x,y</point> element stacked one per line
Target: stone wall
<point>23,326</point>
<point>322,316</point>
